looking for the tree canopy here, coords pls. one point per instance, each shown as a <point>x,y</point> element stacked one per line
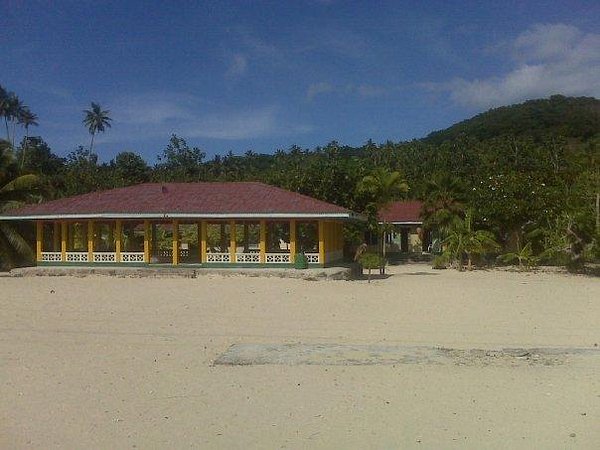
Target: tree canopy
<point>533,166</point>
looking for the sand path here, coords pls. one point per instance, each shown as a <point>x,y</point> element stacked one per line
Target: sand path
<point>127,363</point>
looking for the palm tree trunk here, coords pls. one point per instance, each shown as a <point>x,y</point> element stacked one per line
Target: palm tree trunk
<point>14,133</point>
<point>25,147</point>
<point>91,146</point>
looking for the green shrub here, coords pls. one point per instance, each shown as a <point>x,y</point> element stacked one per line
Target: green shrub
<point>524,256</point>
<point>440,262</point>
<point>371,261</point>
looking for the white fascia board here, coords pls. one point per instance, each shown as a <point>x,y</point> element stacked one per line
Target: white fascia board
<point>338,216</point>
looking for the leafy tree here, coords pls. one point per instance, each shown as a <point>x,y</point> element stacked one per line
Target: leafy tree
<point>14,191</point>
<point>37,157</point>
<point>96,121</point>
<point>27,119</point>
<point>81,174</point>
<point>179,162</point>
<point>129,168</point>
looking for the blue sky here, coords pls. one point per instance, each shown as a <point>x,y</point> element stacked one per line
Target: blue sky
<point>264,75</point>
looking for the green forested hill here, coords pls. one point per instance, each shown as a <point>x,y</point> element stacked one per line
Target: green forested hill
<point>571,117</point>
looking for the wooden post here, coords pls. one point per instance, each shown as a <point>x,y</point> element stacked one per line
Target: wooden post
<point>63,241</point>
<point>263,241</point>
<point>39,239</point>
<point>203,226</point>
<point>322,242</point>
<point>90,240</point>
<point>118,240</point>
<point>292,241</point>
<point>232,241</point>
<point>175,242</point>
<point>199,234</point>
<point>147,239</point>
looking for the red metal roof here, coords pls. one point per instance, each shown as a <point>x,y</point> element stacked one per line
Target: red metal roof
<point>164,199</point>
<point>402,212</point>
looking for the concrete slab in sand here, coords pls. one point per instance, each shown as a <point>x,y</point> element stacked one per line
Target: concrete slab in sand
<point>356,355</point>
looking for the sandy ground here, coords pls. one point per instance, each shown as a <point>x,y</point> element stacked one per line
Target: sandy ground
<point>101,362</point>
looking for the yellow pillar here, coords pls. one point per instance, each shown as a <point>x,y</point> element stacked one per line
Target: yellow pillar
<point>292,241</point>
<point>321,242</point>
<point>90,240</point>
<point>263,241</point>
<point>175,242</point>
<point>39,239</point>
<point>147,240</point>
<point>118,240</point>
<point>232,241</point>
<point>63,241</point>
<point>203,241</point>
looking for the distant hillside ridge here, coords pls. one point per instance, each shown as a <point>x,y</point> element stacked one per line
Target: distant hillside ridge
<point>572,117</point>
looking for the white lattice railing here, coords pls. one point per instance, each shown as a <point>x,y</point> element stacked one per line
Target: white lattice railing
<point>105,257</point>
<point>165,253</point>
<point>247,257</point>
<point>278,258</point>
<point>312,258</point>
<point>218,257</point>
<point>51,256</point>
<point>77,257</point>
<point>132,257</point>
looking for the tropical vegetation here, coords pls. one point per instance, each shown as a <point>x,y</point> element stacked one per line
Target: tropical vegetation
<point>527,175</point>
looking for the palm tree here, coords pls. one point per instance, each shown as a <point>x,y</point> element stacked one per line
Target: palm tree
<point>27,119</point>
<point>383,186</point>
<point>4,96</point>
<point>17,109</point>
<point>443,202</point>
<point>96,120</point>
<point>13,192</point>
<point>10,105</point>
<point>463,240</point>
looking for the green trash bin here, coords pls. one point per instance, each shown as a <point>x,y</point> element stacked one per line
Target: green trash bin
<point>301,262</point>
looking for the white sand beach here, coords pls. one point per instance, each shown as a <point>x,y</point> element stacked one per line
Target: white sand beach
<point>107,362</point>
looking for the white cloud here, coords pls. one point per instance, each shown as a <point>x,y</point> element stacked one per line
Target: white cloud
<point>362,90</point>
<point>550,59</point>
<point>237,65</point>
<point>370,90</point>
<point>152,115</point>
<point>317,89</point>
<point>250,124</point>
<point>152,108</point>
